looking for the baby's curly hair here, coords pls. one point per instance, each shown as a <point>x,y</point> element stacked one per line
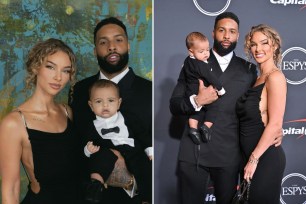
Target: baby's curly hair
<point>38,54</point>
<point>272,34</point>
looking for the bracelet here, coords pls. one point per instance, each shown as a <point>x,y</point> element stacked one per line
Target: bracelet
<point>253,159</point>
<point>257,159</point>
<point>130,184</point>
<point>195,98</point>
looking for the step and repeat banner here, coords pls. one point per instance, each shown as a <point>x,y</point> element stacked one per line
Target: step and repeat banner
<point>173,20</point>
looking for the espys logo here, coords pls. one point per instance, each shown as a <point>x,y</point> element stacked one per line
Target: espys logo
<point>293,64</point>
<point>200,7</point>
<point>296,128</point>
<point>293,189</point>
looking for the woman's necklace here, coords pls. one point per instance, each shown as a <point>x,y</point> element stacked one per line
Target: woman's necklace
<point>268,73</point>
<point>38,119</point>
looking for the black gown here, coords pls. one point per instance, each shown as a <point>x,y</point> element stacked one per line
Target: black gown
<point>55,166</point>
<point>266,182</point>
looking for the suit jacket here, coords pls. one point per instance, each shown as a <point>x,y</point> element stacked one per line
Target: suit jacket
<point>136,94</point>
<point>193,71</point>
<point>223,149</point>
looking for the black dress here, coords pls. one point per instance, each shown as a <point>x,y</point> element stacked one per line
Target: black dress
<point>54,157</point>
<point>266,181</point>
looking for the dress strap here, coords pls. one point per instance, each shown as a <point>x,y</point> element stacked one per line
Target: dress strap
<point>66,111</point>
<point>23,118</point>
<point>268,74</point>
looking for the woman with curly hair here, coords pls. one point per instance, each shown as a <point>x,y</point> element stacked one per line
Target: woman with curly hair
<point>39,132</point>
<point>261,111</point>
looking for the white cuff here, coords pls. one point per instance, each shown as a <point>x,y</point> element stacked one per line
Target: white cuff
<point>87,152</point>
<point>196,108</point>
<point>149,151</point>
<point>132,192</point>
<point>221,92</point>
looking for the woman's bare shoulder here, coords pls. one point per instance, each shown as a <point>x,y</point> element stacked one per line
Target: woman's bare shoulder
<point>12,124</point>
<point>12,119</point>
<point>277,77</point>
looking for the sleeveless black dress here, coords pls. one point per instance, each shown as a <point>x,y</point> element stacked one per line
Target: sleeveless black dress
<point>266,182</point>
<point>55,166</point>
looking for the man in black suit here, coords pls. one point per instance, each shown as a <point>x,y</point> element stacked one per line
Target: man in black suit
<point>219,159</point>
<point>112,52</point>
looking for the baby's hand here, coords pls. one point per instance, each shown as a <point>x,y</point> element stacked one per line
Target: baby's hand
<point>92,148</point>
<point>150,157</point>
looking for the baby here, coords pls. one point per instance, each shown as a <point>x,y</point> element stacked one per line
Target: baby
<point>111,131</point>
<point>197,67</point>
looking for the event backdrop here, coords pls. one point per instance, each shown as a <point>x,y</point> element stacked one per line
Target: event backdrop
<point>173,20</point>
<point>25,22</point>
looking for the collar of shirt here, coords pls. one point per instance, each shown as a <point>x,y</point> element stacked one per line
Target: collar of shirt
<point>117,78</point>
<point>120,138</point>
<point>107,121</point>
<point>223,60</point>
<point>192,57</point>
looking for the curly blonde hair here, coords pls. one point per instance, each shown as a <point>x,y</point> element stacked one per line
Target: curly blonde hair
<point>272,34</point>
<point>38,54</point>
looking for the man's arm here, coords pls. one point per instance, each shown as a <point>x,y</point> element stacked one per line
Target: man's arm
<point>120,176</point>
<point>180,104</point>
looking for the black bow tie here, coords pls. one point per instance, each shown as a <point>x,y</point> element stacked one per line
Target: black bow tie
<point>106,131</point>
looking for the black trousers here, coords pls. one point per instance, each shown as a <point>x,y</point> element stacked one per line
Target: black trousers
<point>194,181</point>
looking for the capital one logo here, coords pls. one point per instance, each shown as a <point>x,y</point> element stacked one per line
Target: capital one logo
<point>293,64</point>
<point>293,189</point>
<point>286,2</point>
<point>200,6</point>
<point>295,127</point>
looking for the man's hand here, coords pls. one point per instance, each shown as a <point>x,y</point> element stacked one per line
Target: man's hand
<point>206,95</point>
<point>278,138</point>
<point>120,176</point>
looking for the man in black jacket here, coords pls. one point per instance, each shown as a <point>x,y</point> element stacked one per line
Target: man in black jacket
<point>218,159</point>
<point>112,52</point>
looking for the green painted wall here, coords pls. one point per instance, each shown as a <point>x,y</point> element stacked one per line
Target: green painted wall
<point>25,22</point>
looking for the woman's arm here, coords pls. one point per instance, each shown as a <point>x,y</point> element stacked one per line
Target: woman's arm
<point>276,102</point>
<point>10,155</point>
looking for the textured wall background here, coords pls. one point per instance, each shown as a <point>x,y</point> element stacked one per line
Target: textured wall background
<point>25,22</point>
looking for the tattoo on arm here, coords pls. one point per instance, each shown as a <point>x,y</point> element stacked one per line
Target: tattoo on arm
<point>120,176</point>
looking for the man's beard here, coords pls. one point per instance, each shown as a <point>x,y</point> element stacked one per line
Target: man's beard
<point>113,68</point>
<point>221,50</point>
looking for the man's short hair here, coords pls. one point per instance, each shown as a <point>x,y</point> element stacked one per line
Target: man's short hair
<point>230,15</point>
<point>106,21</point>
